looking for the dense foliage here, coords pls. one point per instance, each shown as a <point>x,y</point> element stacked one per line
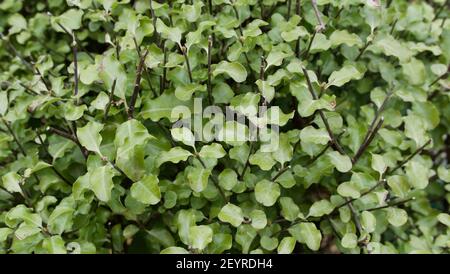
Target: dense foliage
<point>90,163</point>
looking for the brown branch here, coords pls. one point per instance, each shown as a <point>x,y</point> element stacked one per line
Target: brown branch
<point>147,73</point>
<point>419,150</point>
<point>111,98</point>
<point>210,42</point>
<point>369,138</point>
<point>137,86</point>
<point>75,63</point>
<point>71,137</point>
<point>21,148</point>
<point>322,115</point>
<point>162,80</point>
<point>186,58</point>
<point>395,203</point>
<point>214,179</point>
<point>321,25</point>
<point>76,40</point>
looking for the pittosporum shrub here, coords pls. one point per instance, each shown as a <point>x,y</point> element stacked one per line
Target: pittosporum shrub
<point>224,126</point>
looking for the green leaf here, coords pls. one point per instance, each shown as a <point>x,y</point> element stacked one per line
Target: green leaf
<point>89,136</point>
<point>444,218</point>
<point>378,163</point>
<point>316,136</point>
<point>54,245</point>
<point>174,155</point>
<point>342,163</point>
<point>275,58</point>
<point>11,182</point>
<point>308,234</point>
<point>214,150</point>
<point>101,182</point>
<point>200,236</point>
<point>286,246</point>
<point>392,47</point>
<point>350,240</point>
<point>339,37</point>
<point>414,71</point>
<point>231,214</point>
<point>344,75</point>
<point>174,250</point>
<point>267,193</point>
<point>234,69</point>
<point>417,174</point>
<point>397,216</point>
<point>266,90</point>
<point>320,208</point>
<point>258,219</point>
<point>70,20</point>
<point>368,221</point>
<point>147,190</point>
<point>198,178</point>
<point>264,160</point>
<point>228,179</point>
<point>184,135</point>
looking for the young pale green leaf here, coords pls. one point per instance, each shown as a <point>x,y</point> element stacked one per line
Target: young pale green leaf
<point>198,178</point>
<point>267,192</point>
<point>368,221</point>
<point>308,234</point>
<point>147,190</point>
<point>231,214</point>
<point>174,155</point>
<point>397,216</point>
<point>214,150</point>
<point>350,240</point>
<point>286,246</point>
<point>89,136</point>
<point>343,76</point>
<point>183,135</point>
<point>258,219</point>
<point>234,69</point>
<point>101,182</point>
<point>200,236</point>
<point>339,37</point>
<point>228,179</point>
<point>320,208</point>
<point>316,136</point>
<point>342,163</point>
<point>11,182</point>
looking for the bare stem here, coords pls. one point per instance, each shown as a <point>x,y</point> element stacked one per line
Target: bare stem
<point>321,25</point>
<point>76,40</point>
<point>75,64</point>
<point>186,58</point>
<point>322,115</point>
<point>214,179</point>
<point>137,85</point>
<point>419,150</point>
<point>210,42</point>
<point>111,98</point>
<point>395,203</point>
<point>162,79</point>
<point>21,148</point>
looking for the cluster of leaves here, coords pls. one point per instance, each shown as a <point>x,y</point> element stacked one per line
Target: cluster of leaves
<point>89,163</point>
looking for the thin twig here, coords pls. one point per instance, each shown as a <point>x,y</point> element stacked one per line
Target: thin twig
<point>440,77</point>
<point>419,150</point>
<point>21,148</point>
<point>214,179</point>
<point>370,136</point>
<point>186,58</point>
<point>210,42</point>
<point>76,40</point>
<point>162,79</point>
<point>75,64</point>
<point>137,85</point>
<point>395,203</point>
<point>322,115</point>
<point>152,13</point>
<point>147,74</point>
<point>321,25</point>
<point>71,137</point>
<point>363,50</point>
<point>306,53</point>
<point>41,141</point>
<point>440,9</point>
<point>111,98</point>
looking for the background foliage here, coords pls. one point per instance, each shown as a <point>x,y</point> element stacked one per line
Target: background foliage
<point>88,163</point>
